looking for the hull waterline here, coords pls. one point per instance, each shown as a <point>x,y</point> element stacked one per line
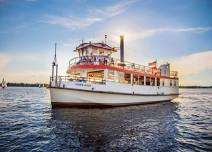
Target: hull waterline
<point>61,97</point>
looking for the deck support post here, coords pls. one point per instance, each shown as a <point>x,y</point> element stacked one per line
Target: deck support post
<point>144,80</point>
<point>105,74</point>
<point>52,72</point>
<point>116,76</point>
<point>56,74</point>
<point>138,80</point>
<point>84,73</point>
<point>131,79</point>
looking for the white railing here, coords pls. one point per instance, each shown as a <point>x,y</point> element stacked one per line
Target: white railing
<point>105,60</point>
<point>59,79</point>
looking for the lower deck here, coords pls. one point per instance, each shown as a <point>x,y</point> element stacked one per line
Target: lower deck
<point>114,87</point>
<point>122,76</point>
<point>69,91</point>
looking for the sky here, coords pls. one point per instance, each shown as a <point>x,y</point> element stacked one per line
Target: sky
<point>174,31</point>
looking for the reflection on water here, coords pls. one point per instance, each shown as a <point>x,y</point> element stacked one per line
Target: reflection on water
<point>119,129</point>
<point>27,123</point>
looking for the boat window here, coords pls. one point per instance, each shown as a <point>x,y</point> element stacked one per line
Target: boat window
<point>141,80</point>
<point>135,79</point>
<point>101,52</point>
<point>121,77</point>
<point>175,83</point>
<point>127,78</point>
<point>147,80</point>
<point>96,74</point>
<point>158,81</point>
<point>94,51</point>
<point>152,81</point>
<point>170,82</point>
<point>111,75</point>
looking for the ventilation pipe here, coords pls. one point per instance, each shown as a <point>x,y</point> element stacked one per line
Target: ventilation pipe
<point>122,49</point>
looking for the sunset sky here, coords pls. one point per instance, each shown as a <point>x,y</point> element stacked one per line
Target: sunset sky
<point>175,31</point>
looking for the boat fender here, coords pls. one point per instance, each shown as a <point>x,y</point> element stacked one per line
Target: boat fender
<point>92,89</point>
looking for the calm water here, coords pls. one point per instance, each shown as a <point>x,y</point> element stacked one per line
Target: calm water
<point>27,123</point>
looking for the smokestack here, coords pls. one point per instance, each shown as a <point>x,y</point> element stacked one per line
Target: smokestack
<point>122,48</point>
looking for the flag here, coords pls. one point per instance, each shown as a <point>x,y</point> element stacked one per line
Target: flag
<point>153,65</point>
<point>105,39</point>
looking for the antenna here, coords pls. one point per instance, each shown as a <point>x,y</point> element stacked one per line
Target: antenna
<point>105,39</point>
<point>55,54</point>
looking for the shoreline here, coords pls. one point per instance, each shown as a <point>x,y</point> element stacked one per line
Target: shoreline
<point>9,84</point>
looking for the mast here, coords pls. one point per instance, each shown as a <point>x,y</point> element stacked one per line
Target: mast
<point>55,59</point>
<point>54,64</point>
<point>53,70</point>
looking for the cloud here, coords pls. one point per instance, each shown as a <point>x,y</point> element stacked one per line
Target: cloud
<point>27,76</point>
<point>194,63</point>
<point>135,32</point>
<point>151,32</point>
<point>113,10</point>
<point>192,68</point>
<point>2,1</point>
<point>4,61</point>
<point>94,15</point>
<point>71,22</point>
<point>24,68</point>
<point>192,29</point>
<point>30,0</point>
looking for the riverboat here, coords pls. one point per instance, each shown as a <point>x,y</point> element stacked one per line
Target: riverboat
<point>96,78</point>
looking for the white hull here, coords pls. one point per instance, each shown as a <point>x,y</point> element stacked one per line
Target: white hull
<point>96,78</point>
<point>71,97</point>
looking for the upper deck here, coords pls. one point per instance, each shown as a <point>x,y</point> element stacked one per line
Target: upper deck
<point>99,56</point>
<point>107,62</point>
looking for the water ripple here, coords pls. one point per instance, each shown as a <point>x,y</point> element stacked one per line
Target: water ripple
<point>27,123</point>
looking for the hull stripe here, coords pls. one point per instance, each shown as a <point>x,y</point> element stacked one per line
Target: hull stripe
<point>100,105</point>
<point>113,92</point>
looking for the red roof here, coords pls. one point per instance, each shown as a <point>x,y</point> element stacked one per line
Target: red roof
<point>91,66</point>
<point>97,45</point>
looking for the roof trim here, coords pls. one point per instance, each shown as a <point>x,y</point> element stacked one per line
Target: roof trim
<point>97,45</point>
<point>91,66</point>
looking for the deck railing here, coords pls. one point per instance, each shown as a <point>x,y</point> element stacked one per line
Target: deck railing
<point>105,60</point>
<point>75,78</point>
<point>173,73</point>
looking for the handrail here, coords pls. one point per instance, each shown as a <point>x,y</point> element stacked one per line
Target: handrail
<point>173,73</point>
<point>78,78</point>
<point>110,61</point>
<point>107,60</point>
